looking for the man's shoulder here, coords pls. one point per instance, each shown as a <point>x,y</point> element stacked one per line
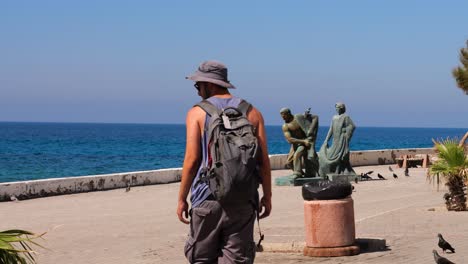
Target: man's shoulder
<point>196,112</point>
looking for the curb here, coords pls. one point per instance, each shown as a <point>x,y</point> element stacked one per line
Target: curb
<point>365,245</point>
<point>291,247</point>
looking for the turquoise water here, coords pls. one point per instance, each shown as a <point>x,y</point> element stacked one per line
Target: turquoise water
<point>49,150</point>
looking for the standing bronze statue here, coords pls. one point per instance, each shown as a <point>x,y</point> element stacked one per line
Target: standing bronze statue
<point>335,159</point>
<point>300,131</point>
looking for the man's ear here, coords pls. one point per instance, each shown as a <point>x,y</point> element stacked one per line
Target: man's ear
<point>209,87</point>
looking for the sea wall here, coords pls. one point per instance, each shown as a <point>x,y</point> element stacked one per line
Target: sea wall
<point>57,186</point>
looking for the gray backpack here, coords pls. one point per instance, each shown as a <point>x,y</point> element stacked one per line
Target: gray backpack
<point>231,173</point>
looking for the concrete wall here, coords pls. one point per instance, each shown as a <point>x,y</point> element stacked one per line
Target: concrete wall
<point>362,158</point>
<point>384,156</point>
<point>57,186</point>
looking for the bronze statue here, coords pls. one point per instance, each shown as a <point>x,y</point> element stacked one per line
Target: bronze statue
<point>300,131</point>
<point>335,159</point>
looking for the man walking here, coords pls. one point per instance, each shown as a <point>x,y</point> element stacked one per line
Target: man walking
<point>219,233</point>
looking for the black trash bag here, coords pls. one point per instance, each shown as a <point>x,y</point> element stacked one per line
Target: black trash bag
<point>326,190</point>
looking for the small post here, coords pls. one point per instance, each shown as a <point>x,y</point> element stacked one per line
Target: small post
<point>425,160</point>
<point>405,161</point>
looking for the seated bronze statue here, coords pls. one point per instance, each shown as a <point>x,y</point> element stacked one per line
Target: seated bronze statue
<point>300,131</point>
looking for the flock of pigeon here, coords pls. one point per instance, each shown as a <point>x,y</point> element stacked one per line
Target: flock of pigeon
<point>366,176</point>
<point>444,245</point>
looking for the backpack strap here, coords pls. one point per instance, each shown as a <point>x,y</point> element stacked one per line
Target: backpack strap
<point>210,110</point>
<point>244,107</point>
<point>208,107</point>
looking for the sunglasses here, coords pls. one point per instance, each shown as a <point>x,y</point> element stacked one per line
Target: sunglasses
<point>197,85</point>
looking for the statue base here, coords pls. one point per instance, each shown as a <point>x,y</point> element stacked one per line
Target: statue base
<point>301,180</point>
<point>285,180</point>
<point>293,180</point>
<point>343,177</point>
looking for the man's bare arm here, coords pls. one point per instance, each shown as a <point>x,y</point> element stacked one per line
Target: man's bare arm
<point>191,161</point>
<point>290,139</point>
<point>329,134</point>
<point>256,118</point>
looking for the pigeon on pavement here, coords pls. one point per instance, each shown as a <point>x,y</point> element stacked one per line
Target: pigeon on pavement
<point>395,176</point>
<point>366,177</point>
<point>390,168</point>
<point>444,245</point>
<point>440,260</point>
<point>380,176</point>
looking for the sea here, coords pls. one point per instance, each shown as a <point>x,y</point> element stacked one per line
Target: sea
<point>30,151</point>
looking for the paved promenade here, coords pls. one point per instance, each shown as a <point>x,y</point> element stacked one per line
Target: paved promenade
<point>140,226</point>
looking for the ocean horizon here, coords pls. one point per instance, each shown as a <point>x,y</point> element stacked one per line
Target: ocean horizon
<point>40,150</point>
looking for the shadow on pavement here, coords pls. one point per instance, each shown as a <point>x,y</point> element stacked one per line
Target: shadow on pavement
<point>369,245</point>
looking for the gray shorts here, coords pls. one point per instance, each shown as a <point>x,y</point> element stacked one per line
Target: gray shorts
<point>221,234</point>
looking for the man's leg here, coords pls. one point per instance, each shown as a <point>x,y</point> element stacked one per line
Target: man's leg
<point>238,241</point>
<point>202,246</point>
<point>311,163</point>
<point>298,156</point>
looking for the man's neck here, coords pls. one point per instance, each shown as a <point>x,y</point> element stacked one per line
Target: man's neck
<point>222,95</point>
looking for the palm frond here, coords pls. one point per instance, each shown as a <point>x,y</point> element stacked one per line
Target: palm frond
<point>452,166</point>
<point>9,254</point>
<point>453,160</point>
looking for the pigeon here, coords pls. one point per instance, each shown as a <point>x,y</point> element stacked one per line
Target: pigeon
<point>356,180</point>
<point>395,176</point>
<point>366,177</point>
<point>444,245</point>
<point>128,187</point>
<point>380,176</point>
<point>440,260</point>
<point>390,168</point>
<point>369,172</point>
<point>406,172</point>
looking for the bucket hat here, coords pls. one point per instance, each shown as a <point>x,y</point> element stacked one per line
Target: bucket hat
<point>212,71</point>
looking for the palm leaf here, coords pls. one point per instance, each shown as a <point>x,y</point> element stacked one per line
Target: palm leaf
<point>453,160</point>
<point>9,254</point>
<point>452,165</point>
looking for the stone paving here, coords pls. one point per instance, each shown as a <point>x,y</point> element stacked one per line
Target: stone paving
<point>140,226</point>
<point>407,212</point>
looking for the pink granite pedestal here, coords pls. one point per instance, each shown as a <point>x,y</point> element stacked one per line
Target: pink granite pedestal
<point>329,226</point>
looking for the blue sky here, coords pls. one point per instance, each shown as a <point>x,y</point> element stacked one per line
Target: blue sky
<point>125,61</point>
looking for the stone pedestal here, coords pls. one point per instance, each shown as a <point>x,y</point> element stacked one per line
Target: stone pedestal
<point>329,226</point>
